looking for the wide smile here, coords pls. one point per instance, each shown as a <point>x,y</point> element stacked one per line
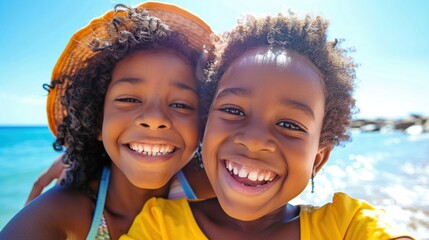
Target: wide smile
<point>247,180</point>
<point>252,177</point>
<point>152,149</point>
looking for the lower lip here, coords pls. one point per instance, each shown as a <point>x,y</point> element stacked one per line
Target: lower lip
<point>240,187</point>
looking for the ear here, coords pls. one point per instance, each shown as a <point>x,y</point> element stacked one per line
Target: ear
<point>100,137</point>
<point>321,158</point>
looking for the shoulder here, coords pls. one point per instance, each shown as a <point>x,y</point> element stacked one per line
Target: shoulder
<point>351,218</point>
<point>164,219</point>
<point>161,208</point>
<point>342,208</point>
<point>57,213</point>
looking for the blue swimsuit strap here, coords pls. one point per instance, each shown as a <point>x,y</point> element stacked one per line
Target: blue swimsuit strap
<point>185,185</point>
<point>99,206</point>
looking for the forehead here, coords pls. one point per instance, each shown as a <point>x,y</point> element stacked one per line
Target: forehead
<point>148,56</point>
<point>280,60</point>
<point>157,65</point>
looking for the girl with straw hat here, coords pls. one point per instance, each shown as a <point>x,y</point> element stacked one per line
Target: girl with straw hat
<point>124,101</point>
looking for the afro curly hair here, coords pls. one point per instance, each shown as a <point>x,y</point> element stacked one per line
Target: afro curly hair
<point>308,37</point>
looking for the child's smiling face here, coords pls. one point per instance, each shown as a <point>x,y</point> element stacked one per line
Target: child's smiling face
<point>261,143</point>
<point>150,123</point>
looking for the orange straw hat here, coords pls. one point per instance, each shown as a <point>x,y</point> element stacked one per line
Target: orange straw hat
<point>197,32</point>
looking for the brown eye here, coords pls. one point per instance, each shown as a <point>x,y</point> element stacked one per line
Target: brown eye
<point>234,111</point>
<point>181,105</point>
<point>290,125</point>
<point>127,100</point>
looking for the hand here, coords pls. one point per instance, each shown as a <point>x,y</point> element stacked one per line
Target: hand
<point>56,171</point>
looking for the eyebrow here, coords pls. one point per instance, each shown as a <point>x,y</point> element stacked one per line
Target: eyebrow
<point>131,80</point>
<point>241,92</point>
<point>178,84</point>
<point>298,105</point>
<point>185,86</point>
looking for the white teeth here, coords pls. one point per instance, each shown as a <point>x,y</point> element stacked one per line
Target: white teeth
<point>267,177</point>
<point>251,174</point>
<point>151,150</point>
<point>270,176</point>
<point>170,149</point>
<point>155,149</point>
<point>229,166</point>
<point>242,173</point>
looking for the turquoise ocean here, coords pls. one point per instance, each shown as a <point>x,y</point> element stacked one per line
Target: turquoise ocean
<point>389,170</point>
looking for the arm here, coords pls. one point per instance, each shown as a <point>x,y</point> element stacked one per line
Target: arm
<point>56,171</point>
<point>57,214</point>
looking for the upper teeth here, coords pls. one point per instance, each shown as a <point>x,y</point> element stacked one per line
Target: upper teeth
<point>152,149</point>
<point>249,173</point>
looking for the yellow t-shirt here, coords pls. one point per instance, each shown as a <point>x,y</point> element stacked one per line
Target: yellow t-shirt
<point>344,218</point>
<point>347,218</point>
<point>165,219</point>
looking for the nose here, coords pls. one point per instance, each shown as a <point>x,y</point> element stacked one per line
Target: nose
<point>255,138</point>
<point>153,117</point>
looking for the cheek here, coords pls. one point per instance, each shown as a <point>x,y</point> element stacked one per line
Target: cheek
<point>212,132</point>
<point>300,154</point>
<point>213,138</point>
<point>112,126</point>
<point>189,128</point>
<point>188,131</point>
<point>209,161</point>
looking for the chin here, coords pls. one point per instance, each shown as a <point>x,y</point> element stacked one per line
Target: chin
<point>149,183</point>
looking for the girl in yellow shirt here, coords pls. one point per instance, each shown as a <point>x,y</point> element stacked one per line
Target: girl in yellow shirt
<point>283,101</point>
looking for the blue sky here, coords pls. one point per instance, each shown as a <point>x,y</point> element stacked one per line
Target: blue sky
<point>391,38</point>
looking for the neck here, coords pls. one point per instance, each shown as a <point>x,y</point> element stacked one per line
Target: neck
<point>280,216</point>
<point>277,224</point>
<point>126,200</point>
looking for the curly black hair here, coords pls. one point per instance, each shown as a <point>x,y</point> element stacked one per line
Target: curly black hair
<point>85,90</point>
<point>308,37</point>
